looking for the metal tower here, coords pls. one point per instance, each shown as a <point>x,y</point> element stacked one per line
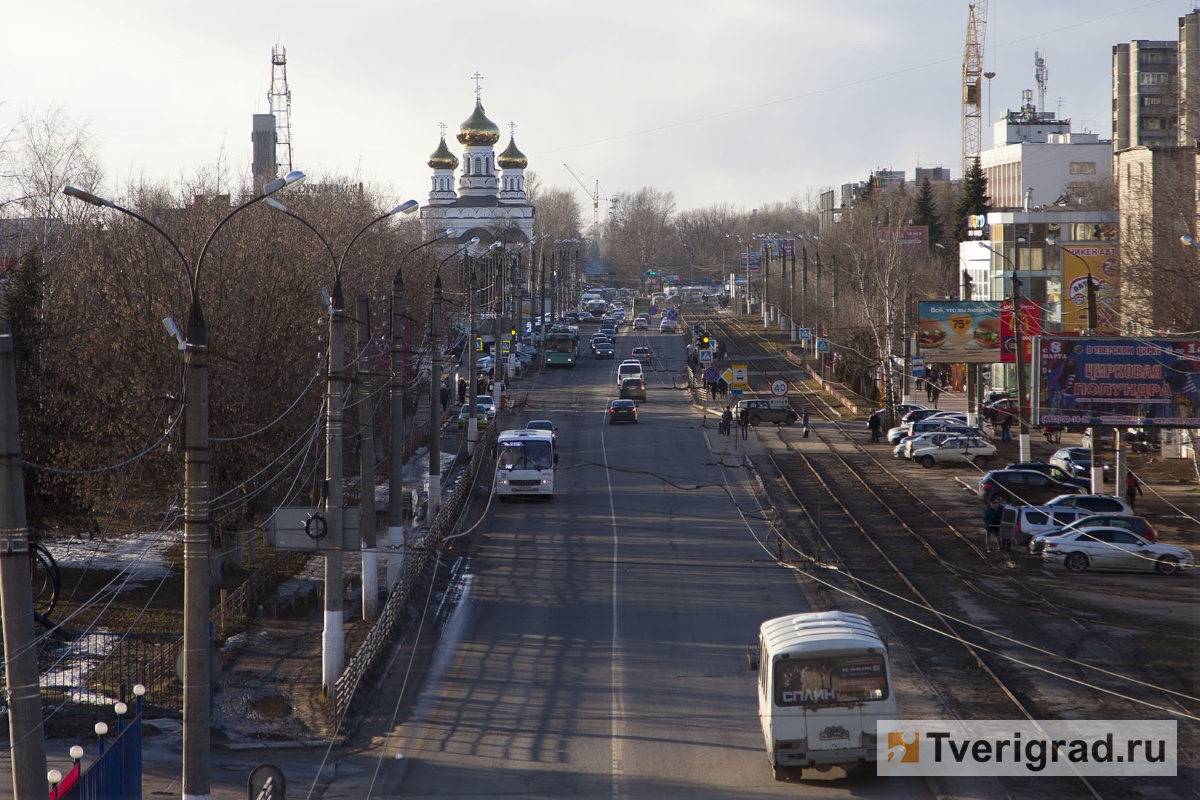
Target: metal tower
<point>280,97</point>
<point>971,75</point>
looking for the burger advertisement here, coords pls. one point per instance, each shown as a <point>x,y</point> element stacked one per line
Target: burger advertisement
<point>961,331</point>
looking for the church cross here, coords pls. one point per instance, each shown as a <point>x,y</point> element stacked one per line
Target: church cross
<point>477,78</point>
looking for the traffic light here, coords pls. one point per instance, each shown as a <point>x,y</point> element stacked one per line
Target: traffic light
<point>513,334</point>
<point>653,272</point>
<point>705,343</point>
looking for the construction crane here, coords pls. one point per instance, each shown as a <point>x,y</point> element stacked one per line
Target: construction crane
<point>595,196</point>
<point>972,86</point>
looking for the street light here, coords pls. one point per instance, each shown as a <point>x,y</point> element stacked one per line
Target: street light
<point>435,386</point>
<point>196,512</point>
<point>333,637</point>
<point>396,461</point>
<point>1023,438</point>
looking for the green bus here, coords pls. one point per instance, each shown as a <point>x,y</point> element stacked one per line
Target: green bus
<point>641,305</point>
<point>562,347</point>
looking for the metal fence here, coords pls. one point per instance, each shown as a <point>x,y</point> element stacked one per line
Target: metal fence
<point>369,656</point>
<point>116,774</point>
<point>83,670</point>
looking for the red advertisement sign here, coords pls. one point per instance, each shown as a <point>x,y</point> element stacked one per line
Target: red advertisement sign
<point>1031,326</point>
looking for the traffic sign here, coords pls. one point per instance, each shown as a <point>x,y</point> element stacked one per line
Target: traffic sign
<point>822,345</point>
<point>804,333</point>
<point>918,366</point>
<point>779,387</point>
<point>672,314</point>
<point>735,392</point>
<point>706,356</point>
<point>711,375</point>
<point>741,376</point>
<point>653,311</point>
<point>728,376</point>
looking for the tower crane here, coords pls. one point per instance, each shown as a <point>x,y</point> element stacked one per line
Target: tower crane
<point>972,87</point>
<point>595,197</point>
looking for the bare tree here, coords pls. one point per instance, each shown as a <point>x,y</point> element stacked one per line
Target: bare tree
<point>640,236</point>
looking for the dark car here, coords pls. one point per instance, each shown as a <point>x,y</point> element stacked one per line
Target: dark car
<point>1021,485</point>
<point>762,411</point>
<point>633,389</point>
<point>543,425</point>
<point>1076,460</point>
<point>622,411</point>
<point>604,350</point>
<point>1055,472</point>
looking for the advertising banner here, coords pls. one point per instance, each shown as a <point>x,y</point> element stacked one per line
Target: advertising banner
<point>1102,263</point>
<point>755,260</point>
<point>1031,326</point>
<point>912,239</point>
<point>959,331</point>
<point>1117,381</point>
<point>778,247</point>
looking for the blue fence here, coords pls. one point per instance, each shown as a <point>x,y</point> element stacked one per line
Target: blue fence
<point>116,773</point>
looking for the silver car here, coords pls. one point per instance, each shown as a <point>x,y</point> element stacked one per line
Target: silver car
<point>1114,549</point>
<point>958,449</point>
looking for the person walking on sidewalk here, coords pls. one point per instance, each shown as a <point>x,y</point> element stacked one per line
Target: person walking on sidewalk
<point>744,422</point>
<point>1006,428</point>
<point>1133,488</point>
<point>874,425</point>
<point>726,420</point>
<point>804,421</point>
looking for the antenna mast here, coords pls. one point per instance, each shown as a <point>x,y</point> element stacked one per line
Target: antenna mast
<point>1042,74</point>
<point>280,98</point>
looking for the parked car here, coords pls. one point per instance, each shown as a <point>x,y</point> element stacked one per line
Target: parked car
<point>464,417</point>
<point>948,429</point>
<point>1137,525</point>
<point>1095,503</point>
<point>993,395</point>
<point>1055,472</point>
<point>956,450</point>
<point>762,411</point>
<point>633,389</point>
<point>1076,461</point>
<point>927,426</point>
<point>1026,486</point>
<point>1115,549</point>
<point>1024,523</point>
<point>622,411</point>
<point>488,404</point>
<point>909,443</point>
<point>902,409</point>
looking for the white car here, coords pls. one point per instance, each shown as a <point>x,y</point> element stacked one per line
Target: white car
<point>667,326</point>
<point>1116,549</point>
<point>488,405</point>
<point>629,369</point>
<point>909,443</point>
<point>956,449</point>
<point>1095,503</point>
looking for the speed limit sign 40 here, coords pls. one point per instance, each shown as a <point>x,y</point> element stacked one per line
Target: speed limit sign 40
<point>779,387</point>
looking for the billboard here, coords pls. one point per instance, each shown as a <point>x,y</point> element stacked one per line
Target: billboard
<point>1031,326</point>
<point>912,239</point>
<point>1086,380</point>
<point>1101,262</point>
<point>959,331</point>
<point>754,259</point>
<point>778,247</point>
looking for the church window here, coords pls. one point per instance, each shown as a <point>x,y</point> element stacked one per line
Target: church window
<point>478,170</point>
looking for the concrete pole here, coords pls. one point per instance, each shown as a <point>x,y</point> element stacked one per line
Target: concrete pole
<point>395,558</point>
<point>196,640</point>
<point>366,464</point>
<point>28,753</point>
<point>472,334</point>
<point>333,635</point>
<point>1023,440</point>
<point>435,413</point>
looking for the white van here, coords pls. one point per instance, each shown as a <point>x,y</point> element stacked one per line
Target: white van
<point>630,369</point>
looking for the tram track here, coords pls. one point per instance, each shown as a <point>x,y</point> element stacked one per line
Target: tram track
<point>906,558</point>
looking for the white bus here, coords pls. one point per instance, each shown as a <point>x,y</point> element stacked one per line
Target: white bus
<point>525,462</point>
<point>824,681</point>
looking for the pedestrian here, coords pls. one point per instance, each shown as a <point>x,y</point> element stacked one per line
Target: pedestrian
<point>934,391</point>
<point>931,384</point>
<point>744,421</point>
<point>726,420</point>
<point>874,425</point>
<point>1006,428</point>
<point>991,523</point>
<point>462,391</point>
<point>445,394</point>
<point>1133,488</point>
<point>804,421</point>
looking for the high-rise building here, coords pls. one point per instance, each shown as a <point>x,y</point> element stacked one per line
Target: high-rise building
<point>263,140</point>
<point>1145,94</point>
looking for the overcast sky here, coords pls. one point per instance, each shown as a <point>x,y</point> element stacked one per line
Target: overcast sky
<point>747,102</point>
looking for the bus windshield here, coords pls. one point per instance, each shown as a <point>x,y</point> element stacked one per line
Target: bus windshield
<point>821,681</point>
<point>525,454</point>
<point>560,343</point>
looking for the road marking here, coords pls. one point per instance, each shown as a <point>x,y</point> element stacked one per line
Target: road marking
<point>618,712</point>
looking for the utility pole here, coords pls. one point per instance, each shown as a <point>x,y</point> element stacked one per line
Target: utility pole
<point>16,598</point>
<point>366,464</point>
<point>435,411</point>
<point>333,635</point>
<point>472,334</point>
<point>396,552</point>
<point>1023,441</point>
<point>1097,441</point>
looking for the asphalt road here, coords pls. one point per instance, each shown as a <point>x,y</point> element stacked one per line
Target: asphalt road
<point>599,648</point>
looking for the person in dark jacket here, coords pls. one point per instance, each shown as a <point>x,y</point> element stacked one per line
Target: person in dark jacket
<point>874,425</point>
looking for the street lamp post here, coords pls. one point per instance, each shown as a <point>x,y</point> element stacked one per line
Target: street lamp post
<point>196,531</point>
<point>396,461</point>
<point>333,637</point>
<point>1023,440</point>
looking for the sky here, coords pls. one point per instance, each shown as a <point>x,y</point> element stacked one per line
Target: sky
<point>746,103</point>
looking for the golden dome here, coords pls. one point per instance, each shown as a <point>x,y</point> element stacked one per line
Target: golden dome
<point>442,158</point>
<point>512,158</point>
<point>478,129</point>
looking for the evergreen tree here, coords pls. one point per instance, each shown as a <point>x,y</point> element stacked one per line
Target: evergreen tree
<point>926,212</point>
<point>974,200</point>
